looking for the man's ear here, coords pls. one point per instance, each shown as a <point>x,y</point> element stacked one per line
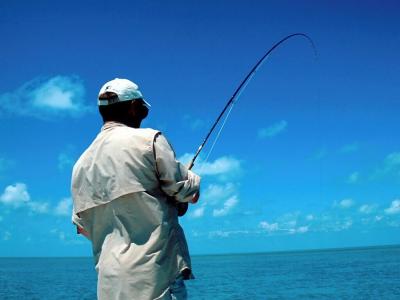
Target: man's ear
<point>144,111</point>
<point>139,110</point>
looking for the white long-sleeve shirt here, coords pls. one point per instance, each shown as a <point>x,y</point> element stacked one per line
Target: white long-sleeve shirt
<point>119,187</point>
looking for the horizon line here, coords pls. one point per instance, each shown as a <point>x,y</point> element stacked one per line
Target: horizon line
<point>247,253</point>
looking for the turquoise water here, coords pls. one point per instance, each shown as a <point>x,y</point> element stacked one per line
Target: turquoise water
<point>362,273</point>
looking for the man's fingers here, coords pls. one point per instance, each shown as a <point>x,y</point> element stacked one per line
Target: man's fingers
<point>196,197</point>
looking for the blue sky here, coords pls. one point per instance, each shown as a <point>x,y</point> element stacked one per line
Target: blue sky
<point>309,158</point>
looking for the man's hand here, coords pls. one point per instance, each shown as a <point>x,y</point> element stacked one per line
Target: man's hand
<point>195,197</point>
<point>82,231</point>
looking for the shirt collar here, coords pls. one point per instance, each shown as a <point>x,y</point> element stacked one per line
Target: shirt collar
<point>111,124</point>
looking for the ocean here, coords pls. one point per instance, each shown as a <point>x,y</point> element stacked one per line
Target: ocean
<point>357,273</point>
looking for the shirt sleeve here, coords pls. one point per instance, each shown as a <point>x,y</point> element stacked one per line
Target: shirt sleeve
<point>175,178</point>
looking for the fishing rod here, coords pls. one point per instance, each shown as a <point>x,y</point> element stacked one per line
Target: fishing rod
<point>182,207</point>
<point>242,85</point>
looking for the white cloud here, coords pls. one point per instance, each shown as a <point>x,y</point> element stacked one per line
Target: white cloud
<point>15,195</point>
<point>392,162</point>
<point>38,207</point>
<point>394,207</point>
<point>66,159</point>
<point>390,166</point>
<point>394,223</point>
<point>335,220</point>
<point>349,148</point>
<point>367,208</point>
<point>196,233</point>
<point>198,212</point>
<point>46,97</point>
<point>215,192</point>
<point>227,166</point>
<point>273,130</point>
<point>228,206</point>
<point>347,224</point>
<point>224,167</point>
<point>269,227</point>
<point>186,159</point>
<point>309,217</point>
<point>335,224</point>
<point>214,195</point>
<point>353,178</point>
<point>64,207</point>
<point>192,122</point>
<point>59,233</point>
<point>226,234</point>
<point>345,203</point>
<point>301,229</point>
<point>319,154</point>
<point>287,224</point>
<point>7,236</point>
<point>289,219</point>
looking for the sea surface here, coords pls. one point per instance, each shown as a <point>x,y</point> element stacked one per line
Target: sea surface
<point>357,273</point>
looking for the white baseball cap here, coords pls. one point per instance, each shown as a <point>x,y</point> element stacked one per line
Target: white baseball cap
<point>124,89</point>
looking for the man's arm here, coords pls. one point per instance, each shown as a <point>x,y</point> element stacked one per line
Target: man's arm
<point>175,179</point>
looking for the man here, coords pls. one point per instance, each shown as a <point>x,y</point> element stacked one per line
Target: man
<point>120,188</point>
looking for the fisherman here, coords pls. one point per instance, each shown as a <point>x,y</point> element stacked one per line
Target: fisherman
<point>120,189</point>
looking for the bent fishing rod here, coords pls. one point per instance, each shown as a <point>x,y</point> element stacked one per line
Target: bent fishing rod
<point>182,207</point>
<point>243,85</point>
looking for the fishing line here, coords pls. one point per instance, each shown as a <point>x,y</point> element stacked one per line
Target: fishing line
<point>243,85</point>
<point>218,134</point>
<point>226,118</point>
<point>182,208</point>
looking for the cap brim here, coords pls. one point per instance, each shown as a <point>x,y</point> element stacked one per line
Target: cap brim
<point>146,103</point>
